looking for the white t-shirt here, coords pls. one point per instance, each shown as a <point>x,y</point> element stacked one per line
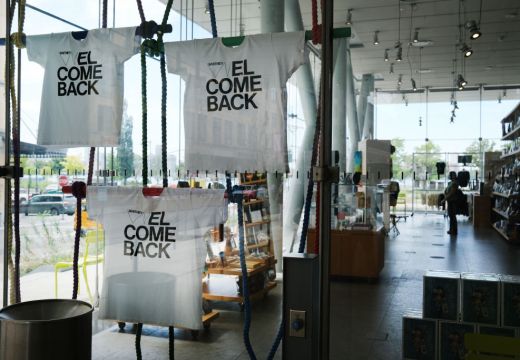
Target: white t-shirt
<point>82,97</point>
<point>155,252</point>
<point>235,100</point>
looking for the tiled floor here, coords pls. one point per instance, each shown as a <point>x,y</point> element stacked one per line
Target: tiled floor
<point>365,317</point>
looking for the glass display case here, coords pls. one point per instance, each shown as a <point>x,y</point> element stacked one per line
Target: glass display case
<point>354,207</point>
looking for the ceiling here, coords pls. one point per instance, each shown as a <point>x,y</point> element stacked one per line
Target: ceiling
<point>495,61</point>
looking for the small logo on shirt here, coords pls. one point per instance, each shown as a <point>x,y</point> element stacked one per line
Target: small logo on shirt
<point>235,92</point>
<point>217,67</point>
<point>80,80</point>
<point>65,57</point>
<point>150,239</point>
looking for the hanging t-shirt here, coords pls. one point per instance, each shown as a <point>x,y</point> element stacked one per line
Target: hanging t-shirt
<point>154,252</point>
<point>235,100</point>
<point>82,97</point>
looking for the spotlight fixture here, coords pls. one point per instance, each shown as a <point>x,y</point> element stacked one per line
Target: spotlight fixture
<point>386,54</point>
<point>206,9</point>
<point>474,31</point>
<point>391,68</point>
<point>416,36</point>
<point>461,82</point>
<point>499,99</point>
<point>400,80</point>
<point>349,17</point>
<point>455,106</point>
<point>376,38</point>
<point>466,50</point>
<point>451,120</point>
<point>414,87</point>
<point>399,54</point>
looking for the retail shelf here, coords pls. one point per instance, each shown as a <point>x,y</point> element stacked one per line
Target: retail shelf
<point>254,182</point>
<point>514,153</point>
<point>505,195</point>
<point>501,232</point>
<point>221,288</point>
<point>501,213</point>
<point>512,134</point>
<point>257,223</point>
<point>259,245</point>
<point>253,202</point>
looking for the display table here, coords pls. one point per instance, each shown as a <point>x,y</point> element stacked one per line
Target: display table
<point>225,283</point>
<point>354,253</point>
<point>481,211</point>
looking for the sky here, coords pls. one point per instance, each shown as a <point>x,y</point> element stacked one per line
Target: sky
<point>392,120</point>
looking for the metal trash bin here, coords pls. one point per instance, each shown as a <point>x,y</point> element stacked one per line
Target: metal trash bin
<point>46,329</point>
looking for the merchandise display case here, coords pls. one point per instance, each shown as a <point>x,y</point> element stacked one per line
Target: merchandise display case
<point>357,233</point>
<point>419,336</point>
<point>481,298</point>
<point>505,216</point>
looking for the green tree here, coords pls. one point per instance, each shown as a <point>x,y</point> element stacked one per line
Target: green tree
<point>425,157</point>
<point>400,159</point>
<point>73,164</point>
<point>55,165</point>
<point>125,150</point>
<point>479,148</point>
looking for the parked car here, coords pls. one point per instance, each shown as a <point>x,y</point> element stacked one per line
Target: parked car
<point>51,204</point>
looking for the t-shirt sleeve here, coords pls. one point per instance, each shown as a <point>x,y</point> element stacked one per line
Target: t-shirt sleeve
<point>38,47</point>
<point>179,56</point>
<point>289,48</point>
<point>124,42</point>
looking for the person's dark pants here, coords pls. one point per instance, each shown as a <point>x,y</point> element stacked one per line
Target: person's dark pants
<point>452,214</point>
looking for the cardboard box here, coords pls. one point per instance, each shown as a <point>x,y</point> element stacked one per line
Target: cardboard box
<point>451,340</point>
<point>481,299</point>
<point>510,301</point>
<point>419,337</point>
<point>441,295</point>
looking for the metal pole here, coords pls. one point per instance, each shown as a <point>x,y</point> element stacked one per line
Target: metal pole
<point>7,145</point>
<point>292,211</point>
<point>339,115</point>
<point>272,20</point>
<point>325,163</point>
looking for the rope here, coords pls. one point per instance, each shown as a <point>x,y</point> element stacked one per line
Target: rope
<point>138,332</point>
<point>235,195</point>
<point>92,154</point>
<point>164,95</point>
<point>316,28</point>
<point>171,340</point>
<point>144,120</point>
<point>79,190</point>
<point>141,11</point>
<point>18,40</point>
<point>164,91</point>
<point>212,18</point>
<point>310,187</point>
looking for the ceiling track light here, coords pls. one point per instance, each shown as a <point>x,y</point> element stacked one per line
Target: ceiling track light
<point>386,54</point>
<point>349,17</point>
<point>474,31</point>
<point>466,50</point>
<point>416,36</point>
<point>399,54</point>
<point>376,38</point>
<point>414,86</point>
<point>391,68</point>
<point>206,9</point>
<point>461,82</point>
<point>400,80</point>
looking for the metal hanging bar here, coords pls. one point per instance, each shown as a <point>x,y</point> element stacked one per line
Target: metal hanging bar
<point>336,34</point>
